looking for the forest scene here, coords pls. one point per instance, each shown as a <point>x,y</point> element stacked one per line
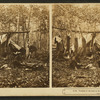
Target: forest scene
<point>24,46</point>
<point>76,45</point>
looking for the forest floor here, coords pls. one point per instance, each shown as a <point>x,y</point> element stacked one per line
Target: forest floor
<point>65,76</point>
<point>36,75</point>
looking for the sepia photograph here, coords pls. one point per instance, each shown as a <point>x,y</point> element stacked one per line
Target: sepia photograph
<point>24,45</point>
<point>76,45</point>
<point>49,49</point>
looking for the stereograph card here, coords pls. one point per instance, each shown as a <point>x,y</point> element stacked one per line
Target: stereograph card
<point>49,49</point>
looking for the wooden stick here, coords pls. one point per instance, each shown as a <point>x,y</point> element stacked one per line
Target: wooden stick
<point>77,31</point>
<point>1,33</point>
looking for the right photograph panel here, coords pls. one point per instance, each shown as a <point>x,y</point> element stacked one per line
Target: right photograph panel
<point>76,45</point>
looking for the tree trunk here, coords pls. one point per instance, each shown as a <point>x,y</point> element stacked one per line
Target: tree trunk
<point>40,40</point>
<point>18,28</point>
<point>24,40</point>
<point>27,36</point>
<point>47,41</point>
<point>68,43</point>
<point>27,45</point>
<point>76,45</point>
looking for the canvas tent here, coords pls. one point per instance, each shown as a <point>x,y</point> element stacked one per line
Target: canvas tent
<point>14,44</point>
<point>97,41</point>
<point>3,38</point>
<point>81,42</point>
<point>86,38</point>
<point>3,47</point>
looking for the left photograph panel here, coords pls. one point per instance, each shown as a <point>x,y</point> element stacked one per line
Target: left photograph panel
<point>24,46</point>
